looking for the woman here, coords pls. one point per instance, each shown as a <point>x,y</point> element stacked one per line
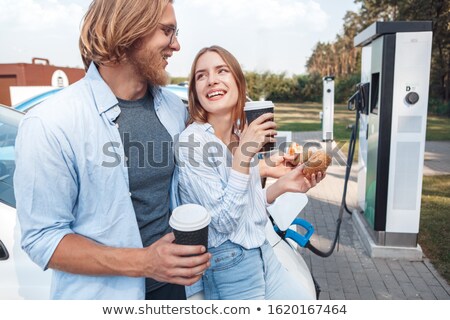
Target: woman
<point>218,170</point>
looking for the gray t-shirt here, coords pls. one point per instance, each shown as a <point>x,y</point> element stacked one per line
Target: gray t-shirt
<point>150,161</point>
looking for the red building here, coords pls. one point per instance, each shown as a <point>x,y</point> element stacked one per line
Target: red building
<point>37,73</point>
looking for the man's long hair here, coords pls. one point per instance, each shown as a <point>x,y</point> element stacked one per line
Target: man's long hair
<point>196,111</point>
<point>111,28</point>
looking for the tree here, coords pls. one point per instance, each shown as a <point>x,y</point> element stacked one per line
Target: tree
<point>343,59</point>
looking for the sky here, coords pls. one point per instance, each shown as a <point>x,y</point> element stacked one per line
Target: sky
<point>265,35</point>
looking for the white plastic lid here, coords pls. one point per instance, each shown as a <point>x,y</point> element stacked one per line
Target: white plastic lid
<point>256,105</point>
<point>189,217</point>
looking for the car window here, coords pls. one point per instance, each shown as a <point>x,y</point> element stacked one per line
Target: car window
<point>9,120</point>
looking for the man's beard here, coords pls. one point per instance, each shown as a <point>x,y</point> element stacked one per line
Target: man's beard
<point>148,65</point>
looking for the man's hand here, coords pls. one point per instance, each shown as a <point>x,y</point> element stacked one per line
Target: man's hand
<point>168,262</point>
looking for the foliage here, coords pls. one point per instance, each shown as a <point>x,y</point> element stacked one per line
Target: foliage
<point>345,87</point>
<point>177,80</point>
<point>310,88</point>
<point>301,88</point>
<point>343,60</point>
<point>438,107</point>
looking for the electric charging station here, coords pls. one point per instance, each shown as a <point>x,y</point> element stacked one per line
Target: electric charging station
<point>395,70</point>
<point>328,108</point>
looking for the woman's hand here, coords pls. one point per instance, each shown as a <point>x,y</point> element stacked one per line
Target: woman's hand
<point>294,181</point>
<point>257,134</point>
<point>252,139</point>
<point>278,164</point>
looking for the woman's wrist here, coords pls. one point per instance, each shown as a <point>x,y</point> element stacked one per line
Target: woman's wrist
<point>274,191</point>
<point>241,162</point>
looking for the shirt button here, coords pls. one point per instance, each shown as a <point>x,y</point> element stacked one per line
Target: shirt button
<point>129,193</point>
<point>117,125</point>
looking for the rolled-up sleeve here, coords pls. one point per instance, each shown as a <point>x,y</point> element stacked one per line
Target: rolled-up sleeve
<point>204,182</point>
<point>45,185</point>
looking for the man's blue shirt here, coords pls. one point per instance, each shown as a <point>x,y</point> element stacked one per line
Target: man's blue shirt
<point>71,177</point>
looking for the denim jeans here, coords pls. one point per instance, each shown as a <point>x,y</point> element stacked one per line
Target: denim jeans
<point>237,273</point>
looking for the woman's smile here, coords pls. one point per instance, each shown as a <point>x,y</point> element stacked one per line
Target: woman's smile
<point>216,94</point>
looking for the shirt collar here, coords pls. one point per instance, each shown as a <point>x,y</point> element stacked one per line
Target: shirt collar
<point>103,96</point>
<point>206,127</point>
<point>157,96</point>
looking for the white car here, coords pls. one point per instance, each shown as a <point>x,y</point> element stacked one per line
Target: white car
<point>20,278</point>
<point>180,90</point>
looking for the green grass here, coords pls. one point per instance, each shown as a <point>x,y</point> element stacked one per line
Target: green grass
<point>299,117</point>
<point>435,222</point>
<point>434,231</point>
<point>438,128</point>
<point>305,117</point>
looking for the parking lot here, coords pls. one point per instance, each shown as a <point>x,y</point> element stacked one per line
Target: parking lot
<point>350,273</point>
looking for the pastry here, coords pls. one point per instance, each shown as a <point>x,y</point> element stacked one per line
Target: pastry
<point>296,149</point>
<point>318,161</point>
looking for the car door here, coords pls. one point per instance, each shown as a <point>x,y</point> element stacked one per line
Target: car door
<point>20,278</point>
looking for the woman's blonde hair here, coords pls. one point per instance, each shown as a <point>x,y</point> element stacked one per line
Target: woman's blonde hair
<point>196,112</point>
<point>111,28</point>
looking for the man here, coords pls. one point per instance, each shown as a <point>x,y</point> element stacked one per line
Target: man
<point>92,198</point>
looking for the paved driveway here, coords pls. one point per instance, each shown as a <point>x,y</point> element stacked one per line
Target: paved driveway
<point>350,273</point>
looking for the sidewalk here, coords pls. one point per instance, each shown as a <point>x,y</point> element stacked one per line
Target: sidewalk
<point>437,158</point>
<point>350,273</point>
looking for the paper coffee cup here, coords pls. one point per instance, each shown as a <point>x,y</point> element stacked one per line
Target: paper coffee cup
<point>190,224</point>
<point>253,110</point>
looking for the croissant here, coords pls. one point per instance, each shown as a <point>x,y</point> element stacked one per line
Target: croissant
<point>296,149</point>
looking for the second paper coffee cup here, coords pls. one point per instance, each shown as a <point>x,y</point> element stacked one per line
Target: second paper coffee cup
<point>190,224</point>
<point>254,109</point>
